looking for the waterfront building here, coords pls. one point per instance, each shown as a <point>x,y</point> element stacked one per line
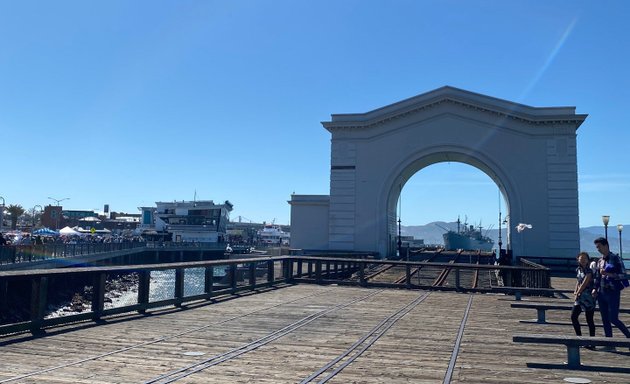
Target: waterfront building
<point>187,221</point>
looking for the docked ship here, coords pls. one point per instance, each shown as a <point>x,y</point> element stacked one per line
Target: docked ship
<point>273,234</point>
<point>468,239</point>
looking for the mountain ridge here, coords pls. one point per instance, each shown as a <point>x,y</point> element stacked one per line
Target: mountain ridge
<point>432,232</point>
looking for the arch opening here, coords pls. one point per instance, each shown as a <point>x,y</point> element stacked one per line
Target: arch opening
<point>474,186</point>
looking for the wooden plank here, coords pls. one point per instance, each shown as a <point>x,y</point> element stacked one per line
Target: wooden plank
<point>417,348</point>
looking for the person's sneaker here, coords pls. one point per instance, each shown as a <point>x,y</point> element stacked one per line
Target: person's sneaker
<point>608,348</point>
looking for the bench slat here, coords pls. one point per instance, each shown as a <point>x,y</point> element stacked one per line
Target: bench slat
<point>569,340</point>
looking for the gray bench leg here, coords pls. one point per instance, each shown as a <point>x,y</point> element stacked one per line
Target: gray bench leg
<point>573,357</point>
<point>541,316</point>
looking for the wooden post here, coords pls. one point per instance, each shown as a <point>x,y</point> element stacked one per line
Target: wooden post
<point>98,295</point>
<point>318,271</point>
<point>362,281</point>
<point>457,279</point>
<point>299,268</point>
<point>252,275</point>
<point>408,276</point>
<point>4,295</point>
<point>270,277</point>
<point>289,270</point>
<point>310,269</point>
<point>144,279</point>
<point>39,294</point>
<point>209,279</point>
<point>179,286</point>
<point>232,272</point>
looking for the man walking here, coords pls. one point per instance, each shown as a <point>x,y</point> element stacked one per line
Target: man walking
<point>608,274</point>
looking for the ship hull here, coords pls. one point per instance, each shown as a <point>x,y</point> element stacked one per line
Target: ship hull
<point>454,241</point>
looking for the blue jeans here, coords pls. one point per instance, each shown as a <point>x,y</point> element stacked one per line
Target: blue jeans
<point>608,301</point>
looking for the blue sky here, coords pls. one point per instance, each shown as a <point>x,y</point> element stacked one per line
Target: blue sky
<point>128,103</point>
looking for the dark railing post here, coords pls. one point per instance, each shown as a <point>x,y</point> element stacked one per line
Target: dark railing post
<point>336,269</point>
<point>310,269</point>
<point>327,269</point>
<point>209,279</point>
<point>144,280</point>
<point>362,281</point>
<point>457,281</point>
<point>252,275</point>
<point>288,270</point>
<point>270,270</point>
<point>408,276</point>
<point>98,295</point>
<point>318,271</point>
<point>39,294</point>
<point>233,279</point>
<point>4,295</point>
<point>179,286</point>
<point>507,277</point>
<point>299,268</point>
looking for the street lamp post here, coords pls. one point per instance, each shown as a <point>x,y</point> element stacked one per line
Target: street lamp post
<point>57,201</point>
<point>620,228</point>
<point>40,211</point>
<point>605,220</point>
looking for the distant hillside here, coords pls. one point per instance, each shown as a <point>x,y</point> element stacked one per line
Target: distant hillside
<point>432,234</point>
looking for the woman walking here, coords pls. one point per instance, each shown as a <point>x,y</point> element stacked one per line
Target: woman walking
<point>584,300</point>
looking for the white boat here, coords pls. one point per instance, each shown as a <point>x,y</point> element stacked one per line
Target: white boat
<point>273,234</point>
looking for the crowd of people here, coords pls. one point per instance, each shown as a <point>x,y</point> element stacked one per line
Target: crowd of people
<point>28,239</point>
<point>599,284</point>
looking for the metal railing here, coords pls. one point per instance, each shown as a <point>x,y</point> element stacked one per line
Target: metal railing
<point>10,254</point>
<point>25,253</point>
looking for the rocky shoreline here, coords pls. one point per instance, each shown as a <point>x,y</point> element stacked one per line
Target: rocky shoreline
<point>116,288</point>
<point>74,298</point>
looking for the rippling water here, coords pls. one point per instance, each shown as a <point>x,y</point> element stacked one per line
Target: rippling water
<point>163,282</point>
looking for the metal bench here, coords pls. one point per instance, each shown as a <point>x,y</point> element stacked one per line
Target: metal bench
<point>541,308</point>
<point>573,344</point>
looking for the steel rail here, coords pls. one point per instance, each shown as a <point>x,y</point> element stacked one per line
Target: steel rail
<point>402,278</point>
<point>475,280</point>
<point>154,341</point>
<point>188,370</point>
<point>442,276</point>
<point>378,271</point>
<point>365,342</point>
<point>458,341</point>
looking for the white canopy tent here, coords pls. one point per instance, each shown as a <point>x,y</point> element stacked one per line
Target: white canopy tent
<point>67,231</point>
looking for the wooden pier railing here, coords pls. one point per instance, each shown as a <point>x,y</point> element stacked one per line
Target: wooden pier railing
<point>221,277</point>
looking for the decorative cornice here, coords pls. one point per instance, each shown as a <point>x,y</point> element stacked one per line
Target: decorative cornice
<point>363,121</point>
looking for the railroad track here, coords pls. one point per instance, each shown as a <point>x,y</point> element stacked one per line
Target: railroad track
<point>188,370</point>
<point>154,341</point>
<point>415,271</point>
<point>439,280</point>
<point>335,366</point>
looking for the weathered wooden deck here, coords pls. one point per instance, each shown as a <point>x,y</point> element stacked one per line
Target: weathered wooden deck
<point>419,346</point>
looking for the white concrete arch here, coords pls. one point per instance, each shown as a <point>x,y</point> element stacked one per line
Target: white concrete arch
<point>529,152</point>
<point>426,157</point>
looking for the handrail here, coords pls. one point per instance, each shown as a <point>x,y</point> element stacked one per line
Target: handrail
<point>241,274</point>
<point>11,254</point>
